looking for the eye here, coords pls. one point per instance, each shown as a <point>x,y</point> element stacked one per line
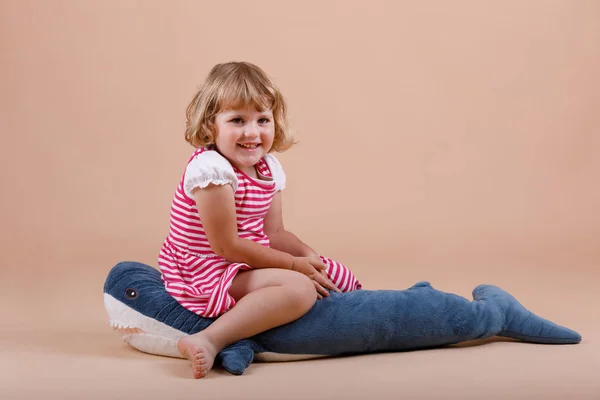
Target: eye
<point>236,120</point>
<point>264,120</point>
<point>131,293</point>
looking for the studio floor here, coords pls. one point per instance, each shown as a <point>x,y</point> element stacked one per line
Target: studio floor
<point>62,348</point>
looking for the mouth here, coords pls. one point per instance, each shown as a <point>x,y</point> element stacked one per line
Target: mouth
<point>249,146</point>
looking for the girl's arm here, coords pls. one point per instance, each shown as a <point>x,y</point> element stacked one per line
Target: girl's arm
<point>216,208</point>
<point>280,238</point>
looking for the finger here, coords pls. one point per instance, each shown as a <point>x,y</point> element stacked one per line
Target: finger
<point>331,285</point>
<point>318,264</point>
<point>325,282</point>
<point>334,286</point>
<point>326,275</point>
<point>321,291</point>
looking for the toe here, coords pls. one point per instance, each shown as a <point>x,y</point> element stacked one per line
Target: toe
<point>201,358</point>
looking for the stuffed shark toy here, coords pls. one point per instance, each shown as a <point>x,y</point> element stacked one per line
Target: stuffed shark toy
<point>357,322</point>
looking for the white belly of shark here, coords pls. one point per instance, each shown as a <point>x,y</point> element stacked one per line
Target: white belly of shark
<point>154,337</point>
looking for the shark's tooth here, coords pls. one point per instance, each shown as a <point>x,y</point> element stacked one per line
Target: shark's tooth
<point>122,326</point>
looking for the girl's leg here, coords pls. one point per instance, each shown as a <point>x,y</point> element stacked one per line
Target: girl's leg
<point>265,299</point>
<point>340,275</point>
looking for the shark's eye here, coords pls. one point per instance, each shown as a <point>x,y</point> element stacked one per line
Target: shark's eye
<point>131,293</point>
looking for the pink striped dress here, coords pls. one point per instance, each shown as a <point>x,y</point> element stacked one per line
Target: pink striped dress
<point>192,273</point>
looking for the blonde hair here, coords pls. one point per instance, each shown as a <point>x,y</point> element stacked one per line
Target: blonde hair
<point>236,85</point>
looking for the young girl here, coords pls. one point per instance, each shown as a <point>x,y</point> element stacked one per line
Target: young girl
<point>228,254</point>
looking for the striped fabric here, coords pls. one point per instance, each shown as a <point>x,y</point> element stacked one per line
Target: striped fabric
<point>198,278</point>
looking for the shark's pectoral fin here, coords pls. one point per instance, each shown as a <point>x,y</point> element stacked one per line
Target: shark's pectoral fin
<point>237,357</point>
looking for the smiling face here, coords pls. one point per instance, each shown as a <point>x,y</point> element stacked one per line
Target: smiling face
<point>244,135</point>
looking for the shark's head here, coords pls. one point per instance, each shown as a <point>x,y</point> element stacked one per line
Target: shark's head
<point>133,291</point>
<point>135,296</point>
<point>134,285</point>
<point>139,307</point>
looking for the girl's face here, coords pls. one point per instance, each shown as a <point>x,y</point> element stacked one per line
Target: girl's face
<point>244,135</point>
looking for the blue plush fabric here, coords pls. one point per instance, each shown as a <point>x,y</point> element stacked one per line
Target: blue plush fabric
<point>362,321</point>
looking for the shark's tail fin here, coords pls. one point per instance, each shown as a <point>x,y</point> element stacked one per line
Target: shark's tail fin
<point>520,323</point>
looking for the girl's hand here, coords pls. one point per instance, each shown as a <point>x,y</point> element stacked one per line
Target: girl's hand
<point>314,268</point>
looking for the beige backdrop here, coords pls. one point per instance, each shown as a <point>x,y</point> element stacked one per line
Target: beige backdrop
<point>455,142</point>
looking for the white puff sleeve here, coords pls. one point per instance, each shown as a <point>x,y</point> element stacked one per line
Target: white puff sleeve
<point>206,168</point>
<point>277,171</point>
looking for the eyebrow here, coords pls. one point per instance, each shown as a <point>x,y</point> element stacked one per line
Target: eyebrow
<point>241,113</point>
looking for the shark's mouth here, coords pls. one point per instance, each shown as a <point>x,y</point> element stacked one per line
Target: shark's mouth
<point>143,333</point>
<point>124,328</point>
<point>154,337</point>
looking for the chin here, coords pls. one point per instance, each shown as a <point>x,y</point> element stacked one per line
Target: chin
<point>253,158</point>
<point>248,162</point>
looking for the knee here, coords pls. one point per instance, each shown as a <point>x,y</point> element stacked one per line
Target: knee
<point>302,292</point>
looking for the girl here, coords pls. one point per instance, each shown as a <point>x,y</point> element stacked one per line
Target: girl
<point>228,254</point>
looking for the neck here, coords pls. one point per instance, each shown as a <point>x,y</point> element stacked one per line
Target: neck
<point>250,171</point>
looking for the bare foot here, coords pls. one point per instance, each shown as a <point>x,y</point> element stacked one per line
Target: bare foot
<point>200,351</point>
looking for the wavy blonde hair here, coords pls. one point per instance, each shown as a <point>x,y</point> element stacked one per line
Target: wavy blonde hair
<point>236,85</point>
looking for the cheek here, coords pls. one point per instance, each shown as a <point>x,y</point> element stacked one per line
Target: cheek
<point>267,139</point>
<point>270,133</point>
<point>227,136</point>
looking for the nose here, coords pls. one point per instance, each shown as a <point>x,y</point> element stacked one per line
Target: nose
<point>251,130</point>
